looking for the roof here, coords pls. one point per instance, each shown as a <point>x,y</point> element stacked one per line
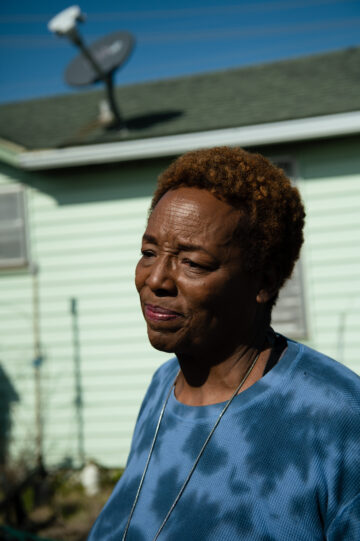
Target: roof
<point>287,90</point>
<point>306,129</point>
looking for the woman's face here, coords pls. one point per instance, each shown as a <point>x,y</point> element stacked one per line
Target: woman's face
<point>194,295</point>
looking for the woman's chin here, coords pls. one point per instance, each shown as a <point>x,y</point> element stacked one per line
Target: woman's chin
<point>162,341</point>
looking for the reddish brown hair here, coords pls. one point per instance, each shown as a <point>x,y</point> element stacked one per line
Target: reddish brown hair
<point>271,224</point>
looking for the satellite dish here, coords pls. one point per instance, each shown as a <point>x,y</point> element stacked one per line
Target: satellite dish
<point>97,62</point>
<point>109,53</point>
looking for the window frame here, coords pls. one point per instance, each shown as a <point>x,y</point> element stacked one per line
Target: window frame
<point>293,175</point>
<point>19,263</point>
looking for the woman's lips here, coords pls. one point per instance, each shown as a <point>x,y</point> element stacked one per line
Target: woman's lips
<point>157,313</point>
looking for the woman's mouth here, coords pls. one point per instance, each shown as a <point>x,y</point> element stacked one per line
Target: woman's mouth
<point>157,313</point>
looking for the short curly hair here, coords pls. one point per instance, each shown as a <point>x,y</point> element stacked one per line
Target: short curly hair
<point>271,225</point>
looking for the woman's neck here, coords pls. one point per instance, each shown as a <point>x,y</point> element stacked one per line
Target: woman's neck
<point>208,381</point>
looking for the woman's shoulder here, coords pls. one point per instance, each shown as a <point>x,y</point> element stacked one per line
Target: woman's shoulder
<point>326,376</point>
<point>166,371</point>
<point>163,377</point>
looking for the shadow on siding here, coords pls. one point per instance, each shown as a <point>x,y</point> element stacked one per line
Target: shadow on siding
<point>8,395</point>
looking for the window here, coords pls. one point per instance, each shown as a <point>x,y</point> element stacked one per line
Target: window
<point>13,230</point>
<point>289,312</point>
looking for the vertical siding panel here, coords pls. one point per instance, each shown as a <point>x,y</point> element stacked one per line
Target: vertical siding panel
<point>86,244</point>
<point>333,265</point>
<point>17,354</point>
<point>88,252</point>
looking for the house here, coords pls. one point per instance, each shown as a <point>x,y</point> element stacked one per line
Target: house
<point>74,196</point>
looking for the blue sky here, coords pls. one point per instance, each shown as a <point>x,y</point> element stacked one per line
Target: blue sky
<point>172,38</point>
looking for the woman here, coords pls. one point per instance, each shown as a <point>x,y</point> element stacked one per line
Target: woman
<point>244,434</point>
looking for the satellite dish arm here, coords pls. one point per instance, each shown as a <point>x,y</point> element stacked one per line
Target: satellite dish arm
<point>76,39</point>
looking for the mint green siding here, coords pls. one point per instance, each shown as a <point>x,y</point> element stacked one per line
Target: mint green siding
<point>86,245</point>
<point>332,255</point>
<point>85,229</point>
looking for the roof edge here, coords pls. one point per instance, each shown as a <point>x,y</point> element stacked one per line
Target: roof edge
<point>259,134</point>
<point>9,152</point>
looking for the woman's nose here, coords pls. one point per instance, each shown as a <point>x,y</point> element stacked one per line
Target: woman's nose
<point>161,278</point>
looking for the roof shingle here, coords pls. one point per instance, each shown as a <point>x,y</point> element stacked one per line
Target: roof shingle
<point>291,89</point>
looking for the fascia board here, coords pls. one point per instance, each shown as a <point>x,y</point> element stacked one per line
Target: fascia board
<point>260,134</point>
<point>9,152</point>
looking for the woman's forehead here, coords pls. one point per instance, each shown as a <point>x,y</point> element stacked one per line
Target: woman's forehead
<point>194,212</point>
<point>180,207</point>
<point>193,202</point>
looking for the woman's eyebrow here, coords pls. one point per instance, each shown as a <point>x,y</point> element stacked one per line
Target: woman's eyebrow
<point>191,248</point>
<point>149,238</point>
<point>182,247</point>
<point>188,247</point>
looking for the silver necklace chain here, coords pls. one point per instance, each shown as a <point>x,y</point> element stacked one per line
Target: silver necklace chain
<point>185,483</point>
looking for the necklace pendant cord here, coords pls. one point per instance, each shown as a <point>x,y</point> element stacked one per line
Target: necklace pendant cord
<point>148,458</point>
<point>185,483</point>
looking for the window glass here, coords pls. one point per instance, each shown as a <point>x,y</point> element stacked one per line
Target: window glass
<point>288,315</point>
<point>13,240</point>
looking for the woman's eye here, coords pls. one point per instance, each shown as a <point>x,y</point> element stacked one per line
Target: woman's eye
<point>194,265</point>
<point>147,253</point>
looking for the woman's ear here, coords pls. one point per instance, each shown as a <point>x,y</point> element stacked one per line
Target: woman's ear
<point>265,295</point>
<point>269,288</point>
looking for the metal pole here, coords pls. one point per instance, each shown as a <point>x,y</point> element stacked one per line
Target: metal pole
<point>37,362</point>
<point>120,123</point>
<point>77,376</point>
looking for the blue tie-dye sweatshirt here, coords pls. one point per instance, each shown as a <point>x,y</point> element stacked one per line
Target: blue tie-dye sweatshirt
<point>283,464</point>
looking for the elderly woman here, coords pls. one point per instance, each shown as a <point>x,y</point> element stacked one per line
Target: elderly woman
<point>245,434</point>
